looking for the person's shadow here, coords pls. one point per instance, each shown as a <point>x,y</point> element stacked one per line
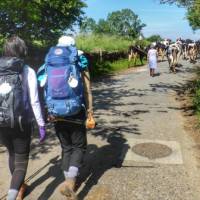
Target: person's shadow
<point>157,74</point>
<point>99,160</point>
<point>96,162</point>
<point>54,171</point>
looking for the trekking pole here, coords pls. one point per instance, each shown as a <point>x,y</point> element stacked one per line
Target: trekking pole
<point>53,160</point>
<point>34,174</point>
<point>74,121</point>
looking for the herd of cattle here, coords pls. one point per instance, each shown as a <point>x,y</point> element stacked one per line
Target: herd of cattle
<point>187,49</point>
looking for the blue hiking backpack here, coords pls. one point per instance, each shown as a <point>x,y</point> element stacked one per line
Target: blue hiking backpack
<point>62,97</point>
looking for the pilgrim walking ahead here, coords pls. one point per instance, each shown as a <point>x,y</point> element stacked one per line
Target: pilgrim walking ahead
<point>68,100</point>
<point>18,98</point>
<point>152,59</point>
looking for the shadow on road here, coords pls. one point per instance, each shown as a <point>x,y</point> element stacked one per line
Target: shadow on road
<point>54,172</point>
<point>99,160</point>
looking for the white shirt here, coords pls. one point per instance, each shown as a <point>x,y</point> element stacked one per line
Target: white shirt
<point>31,93</point>
<point>152,54</point>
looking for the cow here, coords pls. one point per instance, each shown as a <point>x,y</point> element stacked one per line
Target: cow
<point>198,46</point>
<point>166,42</point>
<point>172,53</point>
<point>161,49</point>
<point>135,52</point>
<point>192,52</point>
<point>179,45</point>
<point>185,50</point>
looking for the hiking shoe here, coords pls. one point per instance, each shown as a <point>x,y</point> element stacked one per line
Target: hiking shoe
<point>67,189</point>
<point>22,191</point>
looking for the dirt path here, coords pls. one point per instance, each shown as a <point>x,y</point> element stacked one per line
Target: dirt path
<point>139,151</point>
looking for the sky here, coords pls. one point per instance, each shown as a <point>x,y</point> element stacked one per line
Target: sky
<point>168,21</point>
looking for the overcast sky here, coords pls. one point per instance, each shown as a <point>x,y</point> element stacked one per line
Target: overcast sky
<point>166,20</point>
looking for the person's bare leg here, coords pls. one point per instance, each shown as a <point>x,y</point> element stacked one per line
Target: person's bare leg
<point>153,72</point>
<point>150,72</point>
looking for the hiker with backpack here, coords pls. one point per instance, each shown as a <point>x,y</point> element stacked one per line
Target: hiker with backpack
<point>18,98</point>
<point>68,99</point>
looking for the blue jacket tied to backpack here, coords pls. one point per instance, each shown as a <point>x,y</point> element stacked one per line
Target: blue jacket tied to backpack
<point>64,86</point>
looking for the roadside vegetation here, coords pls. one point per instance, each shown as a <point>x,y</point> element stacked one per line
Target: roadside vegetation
<point>110,68</point>
<point>196,99</point>
<point>193,11</point>
<point>115,33</point>
<point>96,42</point>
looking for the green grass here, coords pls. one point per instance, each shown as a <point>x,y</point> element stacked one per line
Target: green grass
<point>109,68</point>
<point>196,100</point>
<point>124,64</point>
<point>93,43</point>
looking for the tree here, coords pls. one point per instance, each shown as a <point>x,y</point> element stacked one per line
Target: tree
<point>193,15</point>
<point>125,23</point>
<point>193,11</point>
<point>154,38</point>
<point>39,19</point>
<point>186,3</point>
<point>87,25</point>
<point>102,27</point>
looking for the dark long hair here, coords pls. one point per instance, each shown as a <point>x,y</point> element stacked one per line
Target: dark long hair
<point>15,47</point>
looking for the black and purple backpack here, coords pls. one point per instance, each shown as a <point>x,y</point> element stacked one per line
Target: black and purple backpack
<point>13,112</point>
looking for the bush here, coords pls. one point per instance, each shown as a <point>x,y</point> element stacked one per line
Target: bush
<point>196,99</point>
<point>93,43</point>
<point>154,38</point>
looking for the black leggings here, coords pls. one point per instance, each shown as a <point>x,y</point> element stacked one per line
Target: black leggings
<point>18,145</point>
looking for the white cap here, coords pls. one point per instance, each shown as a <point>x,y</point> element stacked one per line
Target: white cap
<point>65,41</point>
<point>80,52</point>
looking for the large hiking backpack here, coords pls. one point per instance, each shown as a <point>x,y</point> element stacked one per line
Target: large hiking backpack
<point>64,87</point>
<point>12,111</point>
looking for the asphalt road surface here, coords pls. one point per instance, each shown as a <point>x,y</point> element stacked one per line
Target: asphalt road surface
<point>139,150</point>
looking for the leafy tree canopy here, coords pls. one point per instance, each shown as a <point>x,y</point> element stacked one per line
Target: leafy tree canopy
<point>42,20</point>
<point>154,38</point>
<point>179,2</point>
<point>193,8</point>
<point>87,25</point>
<point>102,27</point>
<point>193,15</point>
<point>123,23</point>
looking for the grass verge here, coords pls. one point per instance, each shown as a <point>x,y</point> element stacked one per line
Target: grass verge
<point>109,68</point>
<point>196,99</point>
<point>93,43</point>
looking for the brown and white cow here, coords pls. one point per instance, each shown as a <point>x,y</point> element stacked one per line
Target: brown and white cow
<point>192,52</point>
<point>134,52</point>
<point>172,56</point>
<point>161,49</point>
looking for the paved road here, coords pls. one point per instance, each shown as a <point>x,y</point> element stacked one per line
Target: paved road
<point>134,111</point>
